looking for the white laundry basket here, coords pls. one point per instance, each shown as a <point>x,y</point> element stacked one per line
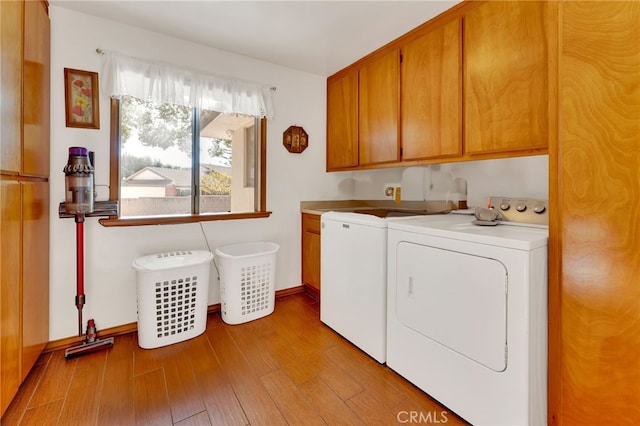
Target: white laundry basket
<point>247,280</point>
<point>172,290</point>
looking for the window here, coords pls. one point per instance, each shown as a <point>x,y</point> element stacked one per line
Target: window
<point>173,163</point>
<point>196,153</point>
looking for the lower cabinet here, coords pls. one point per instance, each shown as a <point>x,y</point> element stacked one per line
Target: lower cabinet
<point>24,282</point>
<point>10,258</point>
<point>311,252</point>
<point>35,272</point>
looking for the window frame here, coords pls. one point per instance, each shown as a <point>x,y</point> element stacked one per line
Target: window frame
<point>114,183</point>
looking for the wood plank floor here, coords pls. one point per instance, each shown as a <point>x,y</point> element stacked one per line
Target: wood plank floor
<point>286,368</point>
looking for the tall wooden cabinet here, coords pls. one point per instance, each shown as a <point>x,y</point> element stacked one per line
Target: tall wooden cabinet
<point>24,190</point>
<point>594,245</point>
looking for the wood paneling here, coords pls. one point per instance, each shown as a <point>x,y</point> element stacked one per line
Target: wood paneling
<point>342,121</point>
<point>594,345</point>
<point>506,76</point>
<point>431,94</point>
<point>379,110</point>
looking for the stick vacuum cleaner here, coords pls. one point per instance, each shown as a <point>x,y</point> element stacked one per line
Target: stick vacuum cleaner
<point>79,201</point>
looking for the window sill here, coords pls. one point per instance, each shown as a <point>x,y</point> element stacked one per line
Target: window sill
<point>114,221</point>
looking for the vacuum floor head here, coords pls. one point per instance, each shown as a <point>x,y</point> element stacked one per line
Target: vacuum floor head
<point>86,348</point>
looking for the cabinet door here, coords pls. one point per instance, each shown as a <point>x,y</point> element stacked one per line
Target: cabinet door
<point>10,260</point>
<point>379,103</point>
<point>36,89</point>
<point>342,121</point>
<point>10,82</point>
<point>35,272</point>
<point>506,81</point>
<point>431,95</point>
<point>311,250</point>
<point>594,229</point>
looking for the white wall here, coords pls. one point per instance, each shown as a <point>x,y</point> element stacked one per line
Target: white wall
<point>110,282</point>
<point>510,177</point>
<point>513,177</point>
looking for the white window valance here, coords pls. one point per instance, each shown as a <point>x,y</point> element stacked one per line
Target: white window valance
<point>166,83</point>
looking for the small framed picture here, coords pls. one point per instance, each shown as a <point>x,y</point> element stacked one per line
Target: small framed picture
<point>81,99</point>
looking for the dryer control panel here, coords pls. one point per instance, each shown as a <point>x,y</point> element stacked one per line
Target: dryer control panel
<point>521,210</point>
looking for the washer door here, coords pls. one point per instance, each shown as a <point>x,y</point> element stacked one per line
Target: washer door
<point>456,299</point>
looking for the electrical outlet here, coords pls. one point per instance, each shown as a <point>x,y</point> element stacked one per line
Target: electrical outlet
<point>389,190</point>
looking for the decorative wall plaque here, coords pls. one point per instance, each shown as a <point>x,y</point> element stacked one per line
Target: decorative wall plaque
<point>295,139</point>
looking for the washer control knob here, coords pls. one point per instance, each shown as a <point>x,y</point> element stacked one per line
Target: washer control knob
<point>539,208</point>
<point>521,207</point>
<point>504,206</point>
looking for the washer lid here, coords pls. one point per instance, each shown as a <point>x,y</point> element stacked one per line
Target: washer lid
<point>460,227</point>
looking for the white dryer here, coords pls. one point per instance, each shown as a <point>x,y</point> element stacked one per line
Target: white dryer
<point>467,313</point>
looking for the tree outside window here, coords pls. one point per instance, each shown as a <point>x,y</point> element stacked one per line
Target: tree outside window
<point>177,160</point>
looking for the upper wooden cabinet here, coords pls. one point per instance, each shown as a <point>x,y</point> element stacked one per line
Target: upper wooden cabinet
<point>363,114</point>
<point>25,65</point>
<point>506,91</point>
<point>431,96</point>
<point>11,18</point>
<point>379,102</point>
<point>342,121</point>
<point>495,82</point>
<point>35,148</point>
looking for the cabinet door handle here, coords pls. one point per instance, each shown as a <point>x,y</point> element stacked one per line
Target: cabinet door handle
<point>410,292</point>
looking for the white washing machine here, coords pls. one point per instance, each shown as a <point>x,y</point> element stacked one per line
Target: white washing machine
<point>467,311</point>
<point>354,288</point>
